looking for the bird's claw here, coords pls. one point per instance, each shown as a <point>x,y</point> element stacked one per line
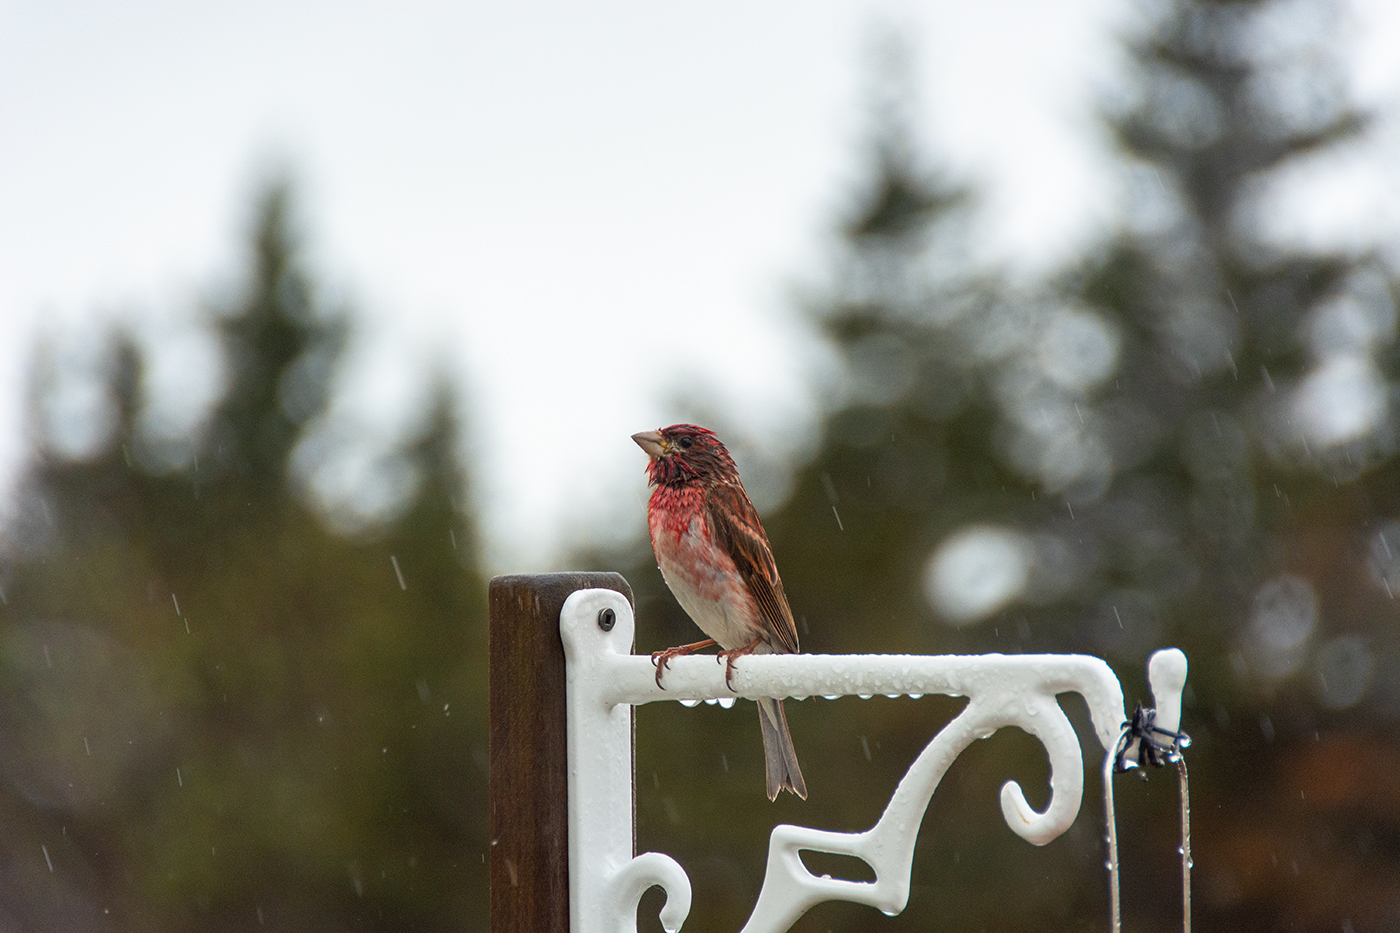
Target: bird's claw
<point>659,660</point>
<point>729,656</point>
<point>728,669</point>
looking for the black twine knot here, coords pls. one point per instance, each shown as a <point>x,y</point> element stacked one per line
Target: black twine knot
<point>1144,743</point>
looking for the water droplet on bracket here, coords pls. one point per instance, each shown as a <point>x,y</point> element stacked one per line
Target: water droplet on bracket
<point>689,702</point>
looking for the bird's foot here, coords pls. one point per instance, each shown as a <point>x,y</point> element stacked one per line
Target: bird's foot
<point>660,659</point>
<point>730,655</point>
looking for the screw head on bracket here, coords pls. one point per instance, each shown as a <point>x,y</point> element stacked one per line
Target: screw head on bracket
<point>606,619</point>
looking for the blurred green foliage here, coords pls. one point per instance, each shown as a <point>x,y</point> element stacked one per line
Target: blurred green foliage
<point>215,713</point>
<point>1189,439</point>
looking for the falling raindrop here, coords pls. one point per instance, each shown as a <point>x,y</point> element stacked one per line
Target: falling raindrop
<point>1385,563</point>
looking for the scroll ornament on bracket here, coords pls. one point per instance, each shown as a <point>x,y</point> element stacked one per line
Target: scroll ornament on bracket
<point>604,679</point>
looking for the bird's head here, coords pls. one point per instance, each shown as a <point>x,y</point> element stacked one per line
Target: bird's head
<point>686,453</point>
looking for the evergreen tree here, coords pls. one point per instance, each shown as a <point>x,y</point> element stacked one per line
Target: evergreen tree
<point>1254,446</point>
<point>1188,439</point>
<point>256,721</point>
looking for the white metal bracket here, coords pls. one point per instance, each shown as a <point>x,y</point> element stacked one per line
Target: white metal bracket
<point>605,678</point>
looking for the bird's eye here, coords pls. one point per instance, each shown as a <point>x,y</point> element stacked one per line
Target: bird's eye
<point>686,442</point>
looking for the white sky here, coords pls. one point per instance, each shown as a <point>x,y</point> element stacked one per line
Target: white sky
<point>582,207</point>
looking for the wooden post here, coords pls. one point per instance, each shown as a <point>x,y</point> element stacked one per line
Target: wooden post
<point>528,752</point>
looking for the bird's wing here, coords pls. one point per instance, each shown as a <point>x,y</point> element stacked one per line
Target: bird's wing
<point>741,536</point>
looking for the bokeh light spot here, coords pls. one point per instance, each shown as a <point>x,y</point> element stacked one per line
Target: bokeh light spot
<point>1344,668</point>
<point>976,571</point>
<point>1281,623</point>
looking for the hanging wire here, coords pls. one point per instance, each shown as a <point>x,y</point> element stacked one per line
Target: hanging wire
<point>1141,743</point>
<point>1115,920</point>
<point>1185,845</point>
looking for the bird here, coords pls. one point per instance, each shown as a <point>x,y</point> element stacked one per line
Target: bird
<point>715,558</point>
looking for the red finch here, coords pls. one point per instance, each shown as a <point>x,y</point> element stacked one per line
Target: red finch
<point>715,557</point>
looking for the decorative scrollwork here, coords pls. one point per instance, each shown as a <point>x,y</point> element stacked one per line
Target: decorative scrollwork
<point>605,679</point>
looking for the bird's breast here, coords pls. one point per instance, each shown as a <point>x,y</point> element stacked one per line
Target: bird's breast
<point>702,577</point>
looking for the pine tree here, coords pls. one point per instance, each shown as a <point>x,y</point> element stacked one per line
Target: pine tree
<point>1187,439</point>
<point>256,721</point>
<point>1254,484</point>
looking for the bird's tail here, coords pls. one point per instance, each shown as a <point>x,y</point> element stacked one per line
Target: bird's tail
<point>778,753</point>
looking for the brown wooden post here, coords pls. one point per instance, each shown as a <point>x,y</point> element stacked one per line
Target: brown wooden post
<point>528,752</point>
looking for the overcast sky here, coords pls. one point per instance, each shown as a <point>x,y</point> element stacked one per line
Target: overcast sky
<point>579,208</point>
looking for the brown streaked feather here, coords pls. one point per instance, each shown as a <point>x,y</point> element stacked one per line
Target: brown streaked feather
<point>738,532</point>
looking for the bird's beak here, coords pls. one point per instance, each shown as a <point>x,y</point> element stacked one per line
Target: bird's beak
<point>650,441</point>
